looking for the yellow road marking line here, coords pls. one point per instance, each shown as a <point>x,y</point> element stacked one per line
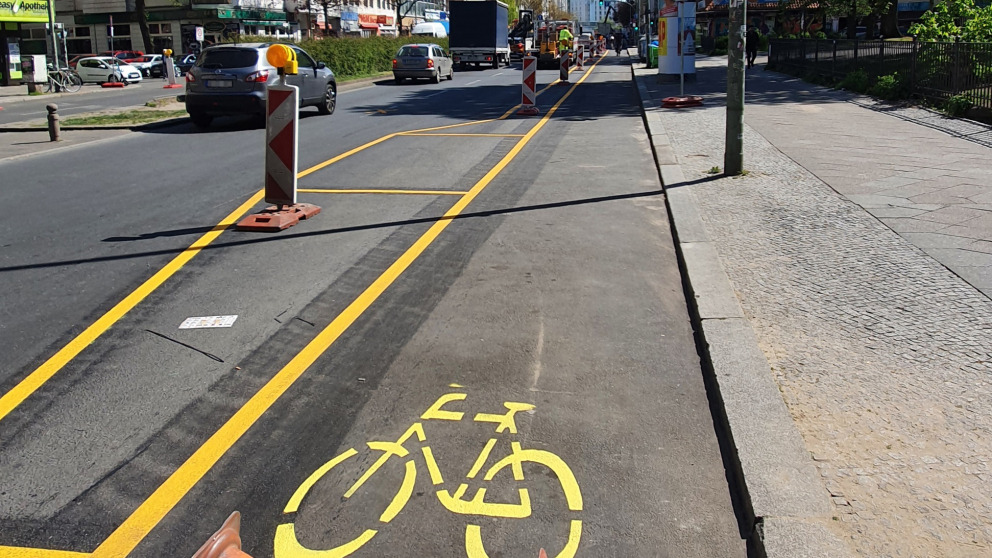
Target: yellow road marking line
<point>10,400</point>
<point>18,552</point>
<point>294,502</point>
<point>56,362</point>
<point>481,460</point>
<point>372,191</point>
<point>137,526</point>
<point>465,135</point>
<point>403,495</point>
<point>432,467</point>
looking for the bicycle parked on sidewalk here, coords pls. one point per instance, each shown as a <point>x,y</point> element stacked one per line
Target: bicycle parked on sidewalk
<point>63,79</point>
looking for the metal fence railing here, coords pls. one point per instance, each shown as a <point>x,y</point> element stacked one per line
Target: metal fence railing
<point>936,71</point>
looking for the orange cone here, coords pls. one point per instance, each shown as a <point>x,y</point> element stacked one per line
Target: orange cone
<point>226,542</point>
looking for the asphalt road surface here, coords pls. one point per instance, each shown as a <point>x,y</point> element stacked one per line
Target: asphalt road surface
<point>90,98</point>
<point>479,347</point>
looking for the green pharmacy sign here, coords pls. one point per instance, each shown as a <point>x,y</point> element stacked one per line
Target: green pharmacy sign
<point>24,10</point>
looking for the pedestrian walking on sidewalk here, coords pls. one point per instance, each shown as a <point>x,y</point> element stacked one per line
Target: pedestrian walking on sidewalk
<point>751,45</point>
<point>619,43</point>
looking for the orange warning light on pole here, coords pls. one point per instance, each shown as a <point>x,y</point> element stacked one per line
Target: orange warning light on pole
<point>283,57</point>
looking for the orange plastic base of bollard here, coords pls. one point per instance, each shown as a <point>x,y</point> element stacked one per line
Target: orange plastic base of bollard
<point>529,111</point>
<point>226,542</point>
<point>680,102</point>
<point>113,84</point>
<point>172,86</point>
<point>272,219</point>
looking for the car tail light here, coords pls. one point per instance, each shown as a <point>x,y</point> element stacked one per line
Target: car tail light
<point>489,59</point>
<point>257,77</point>
<point>430,63</point>
<point>189,77</point>
<point>395,62</point>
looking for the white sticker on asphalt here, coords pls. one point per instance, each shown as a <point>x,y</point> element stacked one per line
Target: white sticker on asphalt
<point>207,321</point>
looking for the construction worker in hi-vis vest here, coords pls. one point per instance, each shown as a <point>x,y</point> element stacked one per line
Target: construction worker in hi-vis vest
<point>564,39</point>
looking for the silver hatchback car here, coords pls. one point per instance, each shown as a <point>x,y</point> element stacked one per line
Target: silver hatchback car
<point>425,61</point>
<point>232,79</point>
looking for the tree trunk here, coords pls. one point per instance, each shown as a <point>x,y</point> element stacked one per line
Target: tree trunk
<point>852,20</point>
<point>327,20</point>
<point>146,36</point>
<point>870,22</point>
<point>890,21</point>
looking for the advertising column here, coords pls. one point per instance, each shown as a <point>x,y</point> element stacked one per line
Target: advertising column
<point>677,41</point>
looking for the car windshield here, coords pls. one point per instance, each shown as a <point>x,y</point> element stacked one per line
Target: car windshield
<point>413,51</point>
<point>228,58</point>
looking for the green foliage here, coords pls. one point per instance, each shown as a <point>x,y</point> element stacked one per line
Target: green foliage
<point>955,18</point>
<point>890,88</point>
<point>855,81</point>
<point>719,52</point>
<point>355,56</point>
<point>958,105</point>
<point>721,43</point>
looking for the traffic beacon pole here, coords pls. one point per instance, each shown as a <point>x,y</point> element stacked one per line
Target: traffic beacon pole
<point>282,118</point>
<point>733,156</point>
<point>170,70</point>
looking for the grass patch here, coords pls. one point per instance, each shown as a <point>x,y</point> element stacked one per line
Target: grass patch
<point>128,118</point>
<point>156,103</point>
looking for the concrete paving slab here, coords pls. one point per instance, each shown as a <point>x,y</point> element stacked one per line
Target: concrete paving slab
<point>790,537</point>
<point>877,324</point>
<point>780,476</point>
<point>712,290</point>
<point>937,240</point>
<point>909,224</point>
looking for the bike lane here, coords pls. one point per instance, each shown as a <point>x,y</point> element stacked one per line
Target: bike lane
<point>556,291</point>
<point>555,296</point>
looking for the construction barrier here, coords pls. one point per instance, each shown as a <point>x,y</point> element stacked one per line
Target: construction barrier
<point>563,70</point>
<point>282,110</point>
<point>529,88</point>
<point>580,56</point>
<point>170,70</point>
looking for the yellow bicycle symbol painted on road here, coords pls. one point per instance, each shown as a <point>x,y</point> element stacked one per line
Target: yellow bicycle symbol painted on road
<point>287,544</point>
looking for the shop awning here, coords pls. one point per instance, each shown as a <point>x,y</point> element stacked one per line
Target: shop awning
<point>364,25</point>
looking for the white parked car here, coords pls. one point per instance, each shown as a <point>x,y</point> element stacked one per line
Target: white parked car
<point>101,69</point>
<point>150,65</point>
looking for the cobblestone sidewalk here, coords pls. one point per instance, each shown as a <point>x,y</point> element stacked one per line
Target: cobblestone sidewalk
<point>882,354</point>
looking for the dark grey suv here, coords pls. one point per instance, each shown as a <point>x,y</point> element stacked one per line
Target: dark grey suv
<point>231,79</point>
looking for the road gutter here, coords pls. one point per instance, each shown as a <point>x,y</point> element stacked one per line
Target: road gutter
<point>783,509</point>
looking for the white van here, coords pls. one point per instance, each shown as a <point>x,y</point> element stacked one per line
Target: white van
<point>429,29</point>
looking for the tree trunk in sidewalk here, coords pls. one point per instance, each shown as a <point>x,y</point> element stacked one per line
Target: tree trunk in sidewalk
<point>146,36</point>
<point>890,21</point>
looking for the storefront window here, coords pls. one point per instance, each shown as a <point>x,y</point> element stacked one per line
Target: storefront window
<point>122,36</point>
<point>79,41</point>
<point>161,36</point>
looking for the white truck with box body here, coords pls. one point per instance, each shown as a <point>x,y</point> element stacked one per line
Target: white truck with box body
<point>478,33</point>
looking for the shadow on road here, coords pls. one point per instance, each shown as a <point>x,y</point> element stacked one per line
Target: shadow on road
<point>255,238</point>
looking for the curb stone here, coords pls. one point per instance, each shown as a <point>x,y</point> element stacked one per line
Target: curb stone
<point>782,507</point>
